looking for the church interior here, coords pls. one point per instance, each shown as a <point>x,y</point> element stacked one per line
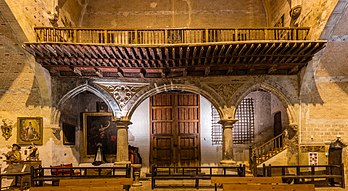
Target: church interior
<point>212,88</point>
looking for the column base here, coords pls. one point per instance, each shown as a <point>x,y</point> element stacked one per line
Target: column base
<point>228,162</point>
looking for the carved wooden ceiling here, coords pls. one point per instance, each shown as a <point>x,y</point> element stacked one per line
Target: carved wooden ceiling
<point>178,60</point>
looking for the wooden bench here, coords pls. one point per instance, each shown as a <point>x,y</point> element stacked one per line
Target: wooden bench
<point>245,180</point>
<point>18,178</point>
<point>195,173</point>
<point>268,187</point>
<point>38,175</point>
<point>78,188</point>
<point>98,182</point>
<point>303,173</point>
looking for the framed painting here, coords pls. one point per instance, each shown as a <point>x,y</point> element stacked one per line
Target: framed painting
<point>30,130</point>
<point>98,128</point>
<point>68,134</point>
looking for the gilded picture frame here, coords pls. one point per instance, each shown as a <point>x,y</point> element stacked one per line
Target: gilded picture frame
<point>99,128</point>
<point>30,130</point>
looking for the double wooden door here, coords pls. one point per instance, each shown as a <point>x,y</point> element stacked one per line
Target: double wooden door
<point>175,129</point>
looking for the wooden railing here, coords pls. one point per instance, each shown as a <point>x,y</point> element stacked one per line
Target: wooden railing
<point>194,173</point>
<point>333,175</point>
<point>167,36</point>
<point>54,174</point>
<point>265,151</point>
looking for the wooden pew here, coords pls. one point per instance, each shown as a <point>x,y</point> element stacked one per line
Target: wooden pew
<point>96,182</point>
<point>245,180</point>
<point>78,188</point>
<point>268,187</point>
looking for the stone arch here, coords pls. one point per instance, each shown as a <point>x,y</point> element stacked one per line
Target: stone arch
<point>210,95</point>
<point>96,90</point>
<point>242,92</point>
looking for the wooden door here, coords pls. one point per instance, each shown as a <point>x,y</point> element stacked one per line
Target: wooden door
<point>175,130</point>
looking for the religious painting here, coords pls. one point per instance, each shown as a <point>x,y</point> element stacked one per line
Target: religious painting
<point>68,134</point>
<point>98,128</point>
<point>30,130</point>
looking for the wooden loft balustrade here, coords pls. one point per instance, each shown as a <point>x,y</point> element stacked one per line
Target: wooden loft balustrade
<point>168,36</point>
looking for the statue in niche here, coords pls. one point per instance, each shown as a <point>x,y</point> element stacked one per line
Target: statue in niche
<point>6,130</point>
<point>15,154</point>
<point>33,153</point>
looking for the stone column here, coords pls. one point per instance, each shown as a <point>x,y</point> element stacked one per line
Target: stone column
<point>227,141</point>
<point>122,140</point>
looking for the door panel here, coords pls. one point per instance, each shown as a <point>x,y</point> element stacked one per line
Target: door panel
<point>175,138</point>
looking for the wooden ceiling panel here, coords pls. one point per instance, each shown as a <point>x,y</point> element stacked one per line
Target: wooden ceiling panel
<point>236,58</point>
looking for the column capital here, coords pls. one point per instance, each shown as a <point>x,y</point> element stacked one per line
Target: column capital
<point>227,123</point>
<point>122,122</point>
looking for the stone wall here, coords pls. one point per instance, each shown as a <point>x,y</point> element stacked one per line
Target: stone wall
<point>174,13</point>
<point>24,85</point>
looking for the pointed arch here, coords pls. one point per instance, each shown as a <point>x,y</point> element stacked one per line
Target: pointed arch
<point>267,87</point>
<point>141,96</point>
<point>96,90</point>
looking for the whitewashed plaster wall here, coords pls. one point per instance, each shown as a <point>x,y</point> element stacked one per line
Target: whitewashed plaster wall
<point>139,133</point>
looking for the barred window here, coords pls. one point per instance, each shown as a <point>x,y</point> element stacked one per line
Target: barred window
<point>243,129</point>
<point>216,129</point>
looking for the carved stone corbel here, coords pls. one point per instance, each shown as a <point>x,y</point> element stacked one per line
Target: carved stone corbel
<point>6,128</point>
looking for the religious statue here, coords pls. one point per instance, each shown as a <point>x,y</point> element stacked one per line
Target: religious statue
<point>100,154</point>
<point>6,130</point>
<point>33,153</point>
<point>14,155</point>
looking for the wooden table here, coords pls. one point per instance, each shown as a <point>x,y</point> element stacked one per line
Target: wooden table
<point>16,175</point>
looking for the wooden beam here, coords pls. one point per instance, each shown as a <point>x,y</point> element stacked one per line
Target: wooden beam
<point>89,49</point>
<point>144,52</point>
<point>37,51</point>
<point>120,72</point>
<point>187,55</point>
<point>110,51</point>
<point>272,69</point>
<point>294,70</point>
<point>142,73</point>
<point>200,56</point>
<point>152,53</point>
<point>103,51</point>
<point>250,49</point>
<point>51,49</point>
<point>99,73</point>
<point>159,53</point>
<point>77,71</point>
<point>166,53</point>
<point>130,52</point>
<point>180,55</point>
<point>207,71</point>
<point>117,52</point>
<point>207,54</point>
<point>83,50</point>
<point>123,51</point>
